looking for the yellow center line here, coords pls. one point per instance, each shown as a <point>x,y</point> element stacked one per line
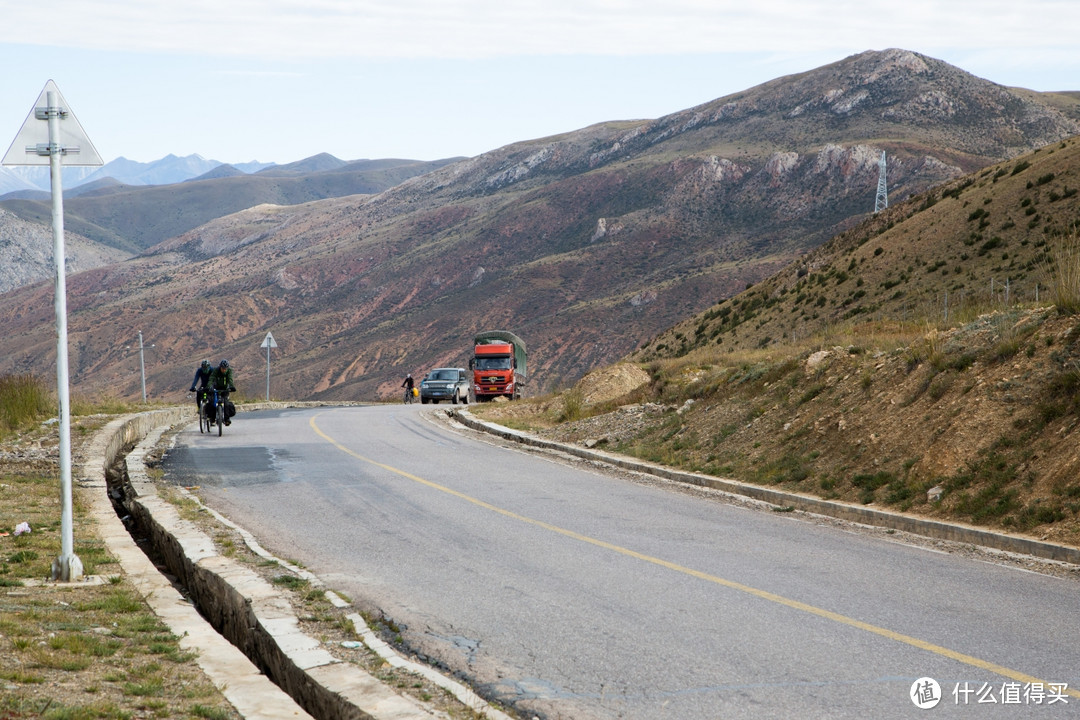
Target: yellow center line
<point>763,594</point>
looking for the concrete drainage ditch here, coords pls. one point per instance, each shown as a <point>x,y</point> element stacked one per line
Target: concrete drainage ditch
<point>230,613</point>
<point>245,634</point>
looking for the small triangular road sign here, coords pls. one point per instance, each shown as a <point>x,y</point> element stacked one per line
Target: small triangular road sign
<point>76,146</point>
<point>268,341</point>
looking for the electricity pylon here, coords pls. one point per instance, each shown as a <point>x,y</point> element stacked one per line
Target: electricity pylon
<point>881,201</point>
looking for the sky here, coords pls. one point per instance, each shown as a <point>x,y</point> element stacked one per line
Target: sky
<point>281,80</point>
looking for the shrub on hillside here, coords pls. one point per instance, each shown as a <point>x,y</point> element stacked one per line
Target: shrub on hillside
<point>1062,271</point>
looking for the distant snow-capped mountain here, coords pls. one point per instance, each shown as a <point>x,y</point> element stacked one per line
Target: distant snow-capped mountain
<point>169,169</point>
<point>12,181</point>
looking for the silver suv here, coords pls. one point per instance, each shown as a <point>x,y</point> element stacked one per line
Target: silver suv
<point>445,384</point>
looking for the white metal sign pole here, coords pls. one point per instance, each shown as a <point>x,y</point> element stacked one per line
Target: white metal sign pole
<point>268,342</point>
<point>67,139</point>
<point>68,566</point>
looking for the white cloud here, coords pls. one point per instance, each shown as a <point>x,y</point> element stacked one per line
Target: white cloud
<point>241,79</point>
<point>492,28</point>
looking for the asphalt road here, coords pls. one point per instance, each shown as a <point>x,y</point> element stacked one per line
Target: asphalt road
<point>568,592</point>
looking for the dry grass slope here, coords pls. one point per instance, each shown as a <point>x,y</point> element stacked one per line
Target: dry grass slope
<point>1002,236</point>
<point>974,424</point>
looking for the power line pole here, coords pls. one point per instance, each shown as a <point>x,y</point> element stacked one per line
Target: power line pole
<point>881,200</point>
<point>142,365</point>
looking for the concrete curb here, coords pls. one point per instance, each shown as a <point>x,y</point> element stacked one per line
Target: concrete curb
<point>242,684</point>
<point>250,618</point>
<point>369,638</point>
<point>954,532</point>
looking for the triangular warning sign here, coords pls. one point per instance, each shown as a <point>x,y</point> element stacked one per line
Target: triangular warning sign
<point>78,150</point>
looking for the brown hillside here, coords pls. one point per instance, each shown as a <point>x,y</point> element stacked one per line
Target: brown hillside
<point>982,241</point>
<point>585,244</point>
<point>26,252</point>
<point>847,376</point>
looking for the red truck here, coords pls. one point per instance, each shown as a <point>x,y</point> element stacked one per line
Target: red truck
<point>498,365</point>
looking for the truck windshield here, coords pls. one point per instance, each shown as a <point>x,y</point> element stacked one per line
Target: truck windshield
<point>492,363</point>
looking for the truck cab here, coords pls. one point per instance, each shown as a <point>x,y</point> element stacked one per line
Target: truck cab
<point>498,366</point>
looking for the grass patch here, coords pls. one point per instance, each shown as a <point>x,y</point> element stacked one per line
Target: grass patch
<point>24,399</point>
<point>940,385</point>
<point>573,406</point>
<point>869,484</point>
<point>984,492</point>
<point>83,644</point>
<point>151,687</point>
<point>1062,397</point>
<point>292,582</point>
<point>811,392</point>
<point>787,469</point>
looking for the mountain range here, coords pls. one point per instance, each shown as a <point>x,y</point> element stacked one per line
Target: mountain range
<point>587,244</point>
<point>131,218</point>
<point>26,181</point>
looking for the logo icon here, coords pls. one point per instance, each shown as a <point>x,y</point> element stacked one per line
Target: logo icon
<point>925,693</point>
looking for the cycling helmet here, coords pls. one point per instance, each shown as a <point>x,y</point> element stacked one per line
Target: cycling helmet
<point>224,364</point>
<point>205,364</point>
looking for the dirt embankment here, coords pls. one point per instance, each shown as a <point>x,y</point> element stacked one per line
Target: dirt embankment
<point>975,424</point>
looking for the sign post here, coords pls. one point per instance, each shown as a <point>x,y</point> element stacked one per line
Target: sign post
<point>48,145</point>
<point>268,342</point>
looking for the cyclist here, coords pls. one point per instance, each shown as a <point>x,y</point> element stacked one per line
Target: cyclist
<point>408,385</point>
<point>201,379</point>
<point>221,379</point>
